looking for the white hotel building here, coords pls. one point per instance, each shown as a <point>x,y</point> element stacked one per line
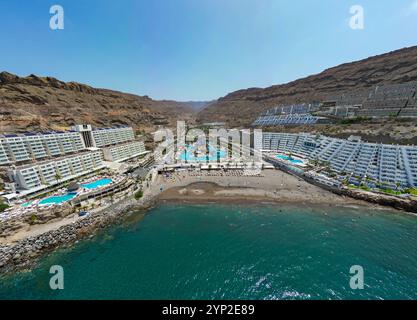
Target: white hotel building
<point>387,164</point>
<point>36,161</point>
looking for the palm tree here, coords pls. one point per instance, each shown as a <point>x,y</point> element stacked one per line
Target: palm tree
<point>313,162</point>
<point>368,180</point>
<point>57,177</point>
<point>398,184</point>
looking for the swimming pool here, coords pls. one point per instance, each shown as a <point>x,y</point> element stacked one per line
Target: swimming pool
<point>27,204</point>
<point>58,199</point>
<point>213,155</point>
<point>292,160</point>
<point>98,183</point>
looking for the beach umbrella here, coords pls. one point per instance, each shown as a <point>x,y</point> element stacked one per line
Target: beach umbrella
<point>73,186</point>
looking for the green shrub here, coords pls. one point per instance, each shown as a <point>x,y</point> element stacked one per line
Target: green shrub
<point>393,192</point>
<point>3,206</point>
<point>138,194</point>
<point>412,191</point>
<point>355,120</point>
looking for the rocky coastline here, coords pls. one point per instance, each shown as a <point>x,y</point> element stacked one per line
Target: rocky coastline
<point>25,253</point>
<point>385,200</point>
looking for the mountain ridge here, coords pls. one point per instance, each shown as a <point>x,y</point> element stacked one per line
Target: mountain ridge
<point>241,107</point>
<point>35,103</point>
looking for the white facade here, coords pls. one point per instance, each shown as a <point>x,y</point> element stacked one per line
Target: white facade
<point>36,161</point>
<point>110,136</point>
<point>389,164</point>
<point>124,152</point>
<point>4,159</point>
<point>27,147</point>
<point>287,119</point>
<point>15,148</point>
<point>37,146</point>
<point>48,173</point>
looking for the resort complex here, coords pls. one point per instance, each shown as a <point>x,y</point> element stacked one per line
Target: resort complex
<point>289,115</point>
<point>349,161</point>
<point>353,159</point>
<point>288,119</point>
<point>399,101</point>
<point>36,162</point>
<point>216,155</point>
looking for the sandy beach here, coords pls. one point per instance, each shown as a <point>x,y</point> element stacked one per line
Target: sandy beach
<point>271,186</point>
<point>21,249</point>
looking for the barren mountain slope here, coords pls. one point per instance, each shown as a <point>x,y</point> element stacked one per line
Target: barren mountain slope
<point>240,108</point>
<point>37,103</point>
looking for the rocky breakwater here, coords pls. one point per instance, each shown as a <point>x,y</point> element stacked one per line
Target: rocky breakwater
<point>24,254</point>
<point>406,204</point>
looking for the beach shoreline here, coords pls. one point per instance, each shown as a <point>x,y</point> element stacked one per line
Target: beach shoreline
<point>273,187</point>
<point>210,192</point>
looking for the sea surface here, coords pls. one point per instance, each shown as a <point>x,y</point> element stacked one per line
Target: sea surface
<point>235,252</point>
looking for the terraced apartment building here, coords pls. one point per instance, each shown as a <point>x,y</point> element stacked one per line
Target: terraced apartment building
<point>389,100</point>
<point>382,101</point>
<point>288,119</point>
<point>37,161</point>
<point>390,165</point>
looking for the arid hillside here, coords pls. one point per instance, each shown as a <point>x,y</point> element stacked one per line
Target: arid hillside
<point>240,108</point>
<point>40,103</point>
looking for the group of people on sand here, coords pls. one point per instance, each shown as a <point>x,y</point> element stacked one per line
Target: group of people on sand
<point>222,173</point>
<point>173,177</point>
<point>178,176</point>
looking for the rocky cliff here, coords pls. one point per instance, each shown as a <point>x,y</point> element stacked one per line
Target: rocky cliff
<point>38,103</point>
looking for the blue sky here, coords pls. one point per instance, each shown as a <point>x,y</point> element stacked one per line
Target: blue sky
<point>196,49</point>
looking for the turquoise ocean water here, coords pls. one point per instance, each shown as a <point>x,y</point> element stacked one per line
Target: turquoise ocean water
<point>235,252</point>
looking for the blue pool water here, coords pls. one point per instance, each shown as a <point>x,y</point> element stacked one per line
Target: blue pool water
<point>27,204</point>
<point>98,183</point>
<point>287,158</point>
<point>213,155</point>
<point>70,195</point>
<point>58,199</point>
